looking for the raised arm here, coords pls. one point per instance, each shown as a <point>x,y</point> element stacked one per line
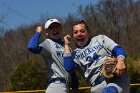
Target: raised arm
<point>69,64</point>
<point>33,45</point>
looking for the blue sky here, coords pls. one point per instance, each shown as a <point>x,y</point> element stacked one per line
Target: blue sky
<point>18,12</point>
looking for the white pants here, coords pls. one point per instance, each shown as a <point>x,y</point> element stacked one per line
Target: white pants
<point>57,87</point>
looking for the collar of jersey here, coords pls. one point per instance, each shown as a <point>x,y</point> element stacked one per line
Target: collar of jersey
<point>81,47</point>
<point>59,41</point>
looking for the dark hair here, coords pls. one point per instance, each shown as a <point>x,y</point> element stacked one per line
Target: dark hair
<point>81,22</point>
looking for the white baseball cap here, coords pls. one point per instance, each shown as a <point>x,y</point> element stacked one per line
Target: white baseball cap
<point>49,22</point>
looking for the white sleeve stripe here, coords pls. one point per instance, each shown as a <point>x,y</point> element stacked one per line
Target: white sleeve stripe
<point>67,54</point>
<point>121,56</point>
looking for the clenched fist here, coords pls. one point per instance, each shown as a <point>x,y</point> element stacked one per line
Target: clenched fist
<point>67,40</point>
<point>39,29</point>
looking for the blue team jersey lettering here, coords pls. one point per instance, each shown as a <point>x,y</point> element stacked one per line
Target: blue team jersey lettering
<point>57,46</point>
<point>79,55</point>
<point>89,59</point>
<point>92,58</point>
<point>60,53</point>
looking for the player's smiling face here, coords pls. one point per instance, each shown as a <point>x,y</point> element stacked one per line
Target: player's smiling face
<point>80,34</point>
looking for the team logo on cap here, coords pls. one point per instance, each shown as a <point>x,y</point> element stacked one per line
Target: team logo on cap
<point>51,19</point>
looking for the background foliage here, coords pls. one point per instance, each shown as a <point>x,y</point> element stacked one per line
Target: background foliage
<point>28,77</point>
<point>118,19</point>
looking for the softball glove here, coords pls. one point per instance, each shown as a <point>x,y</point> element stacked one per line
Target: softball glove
<point>108,67</point>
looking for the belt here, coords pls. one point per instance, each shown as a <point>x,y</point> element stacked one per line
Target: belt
<point>98,81</point>
<point>61,80</point>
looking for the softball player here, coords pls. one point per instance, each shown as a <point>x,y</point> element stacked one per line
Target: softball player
<point>90,55</point>
<point>52,51</point>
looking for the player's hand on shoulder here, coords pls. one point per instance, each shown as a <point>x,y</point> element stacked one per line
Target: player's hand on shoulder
<point>39,29</point>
